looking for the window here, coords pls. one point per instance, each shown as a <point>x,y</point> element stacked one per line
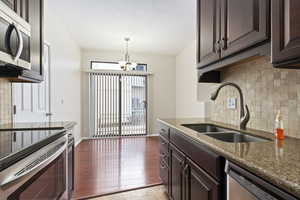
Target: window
<point>96,65</point>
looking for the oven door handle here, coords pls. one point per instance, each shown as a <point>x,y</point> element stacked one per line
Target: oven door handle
<point>37,164</point>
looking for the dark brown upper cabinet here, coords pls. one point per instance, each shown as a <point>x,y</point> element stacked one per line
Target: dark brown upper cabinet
<point>227,27</point>
<point>32,11</point>
<point>230,31</point>
<point>286,33</point>
<point>20,7</point>
<point>208,31</point>
<point>244,24</point>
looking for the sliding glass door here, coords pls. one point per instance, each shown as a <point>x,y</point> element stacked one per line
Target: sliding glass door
<point>118,104</point>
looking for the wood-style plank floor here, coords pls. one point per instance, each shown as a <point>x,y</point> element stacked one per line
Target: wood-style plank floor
<point>106,166</point>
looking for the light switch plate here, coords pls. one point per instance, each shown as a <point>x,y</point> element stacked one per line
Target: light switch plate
<point>231,103</point>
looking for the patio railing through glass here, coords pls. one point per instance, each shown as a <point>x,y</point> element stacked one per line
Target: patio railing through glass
<point>118,104</point>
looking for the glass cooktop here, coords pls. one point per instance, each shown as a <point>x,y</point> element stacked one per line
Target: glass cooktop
<point>14,142</point>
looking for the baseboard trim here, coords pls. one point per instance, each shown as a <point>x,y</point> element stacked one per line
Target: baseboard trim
<point>95,138</point>
<point>153,135</point>
<point>78,142</point>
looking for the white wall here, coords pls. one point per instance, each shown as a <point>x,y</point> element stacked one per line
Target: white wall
<point>65,71</point>
<point>191,98</point>
<point>161,83</point>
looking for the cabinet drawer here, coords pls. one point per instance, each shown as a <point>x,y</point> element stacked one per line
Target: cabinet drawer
<point>164,150</point>
<point>164,173</point>
<point>212,163</point>
<point>164,131</point>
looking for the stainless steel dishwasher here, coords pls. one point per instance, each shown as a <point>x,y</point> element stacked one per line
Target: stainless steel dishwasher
<point>244,185</point>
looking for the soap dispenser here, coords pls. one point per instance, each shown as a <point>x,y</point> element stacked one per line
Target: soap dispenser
<point>279,130</point>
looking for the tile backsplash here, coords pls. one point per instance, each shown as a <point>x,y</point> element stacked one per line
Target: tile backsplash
<point>266,90</point>
<point>5,102</point>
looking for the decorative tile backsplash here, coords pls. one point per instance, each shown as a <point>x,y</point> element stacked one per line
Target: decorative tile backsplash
<point>266,90</point>
<point>5,102</point>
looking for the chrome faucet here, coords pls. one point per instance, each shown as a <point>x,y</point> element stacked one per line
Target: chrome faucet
<point>244,117</point>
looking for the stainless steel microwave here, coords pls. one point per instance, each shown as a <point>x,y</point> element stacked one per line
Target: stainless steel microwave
<point>14,39</point>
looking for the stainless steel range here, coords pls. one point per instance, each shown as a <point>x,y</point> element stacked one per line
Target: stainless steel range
<point>33,164</point>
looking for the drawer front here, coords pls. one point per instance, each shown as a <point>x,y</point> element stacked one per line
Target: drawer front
<point>211,162</point>
<point>164,173</point>
<point>164,131</point>
<point>164,150</point>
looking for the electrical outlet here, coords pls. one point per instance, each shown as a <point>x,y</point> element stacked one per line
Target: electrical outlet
<point>231,103</point>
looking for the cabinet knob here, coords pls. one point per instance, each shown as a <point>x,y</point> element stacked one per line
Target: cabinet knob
<point>223,44</point>
<point>181,163</point>
<point>217,47</point>
<point>163,155</point>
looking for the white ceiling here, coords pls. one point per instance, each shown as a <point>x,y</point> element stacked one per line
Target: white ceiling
<point>155,26</point>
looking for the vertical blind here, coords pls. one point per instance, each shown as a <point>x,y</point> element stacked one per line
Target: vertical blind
<point>118,104</point>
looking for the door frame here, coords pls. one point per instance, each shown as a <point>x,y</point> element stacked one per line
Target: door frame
<point>91,96</point>
<point>48,112</point>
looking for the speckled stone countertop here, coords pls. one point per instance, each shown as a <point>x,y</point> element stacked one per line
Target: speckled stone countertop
<point>37,126</point>
<point>276,163</point>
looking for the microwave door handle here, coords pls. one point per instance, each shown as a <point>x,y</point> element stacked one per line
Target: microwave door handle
<point>21,44</point>
<point>34,166</point>
<point>8,41</point>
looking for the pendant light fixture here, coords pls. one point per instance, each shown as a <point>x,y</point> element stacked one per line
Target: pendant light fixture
<point>126,65</point>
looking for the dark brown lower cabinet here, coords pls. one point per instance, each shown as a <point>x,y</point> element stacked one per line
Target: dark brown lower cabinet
<point>189,181</point>
<point>199,185</point>
<point>183,174</point>
<point>177,161</point>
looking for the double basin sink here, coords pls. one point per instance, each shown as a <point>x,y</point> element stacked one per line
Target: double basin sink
<point>223,134</point>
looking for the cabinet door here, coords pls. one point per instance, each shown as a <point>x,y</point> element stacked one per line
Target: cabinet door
<point>285,30</point>
<point>199,185</point>
<point>10,3</point>
<point>36,20</point>
<point>208,31</point>
<point>245,23</point>
<point>177,164</point>
<point>21,7</point>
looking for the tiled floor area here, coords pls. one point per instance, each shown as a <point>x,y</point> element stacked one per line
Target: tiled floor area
<point>152,193</point>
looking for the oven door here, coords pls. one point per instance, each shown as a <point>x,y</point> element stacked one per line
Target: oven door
<point>42,177</point>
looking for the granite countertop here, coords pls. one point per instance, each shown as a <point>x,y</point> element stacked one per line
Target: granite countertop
<point>37,126</point>
<point>276,163</point>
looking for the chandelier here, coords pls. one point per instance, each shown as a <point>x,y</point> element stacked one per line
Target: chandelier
<point>125,64</point>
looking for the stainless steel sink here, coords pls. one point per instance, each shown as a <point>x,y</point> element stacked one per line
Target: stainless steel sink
<point>223,134</point>
<point>234,137</point>
<point>204,128</point>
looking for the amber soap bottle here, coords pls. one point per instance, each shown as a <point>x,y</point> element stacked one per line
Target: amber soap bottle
<point>279,130</point>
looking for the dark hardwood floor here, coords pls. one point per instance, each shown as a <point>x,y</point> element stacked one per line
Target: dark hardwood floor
<point>106,166</point>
